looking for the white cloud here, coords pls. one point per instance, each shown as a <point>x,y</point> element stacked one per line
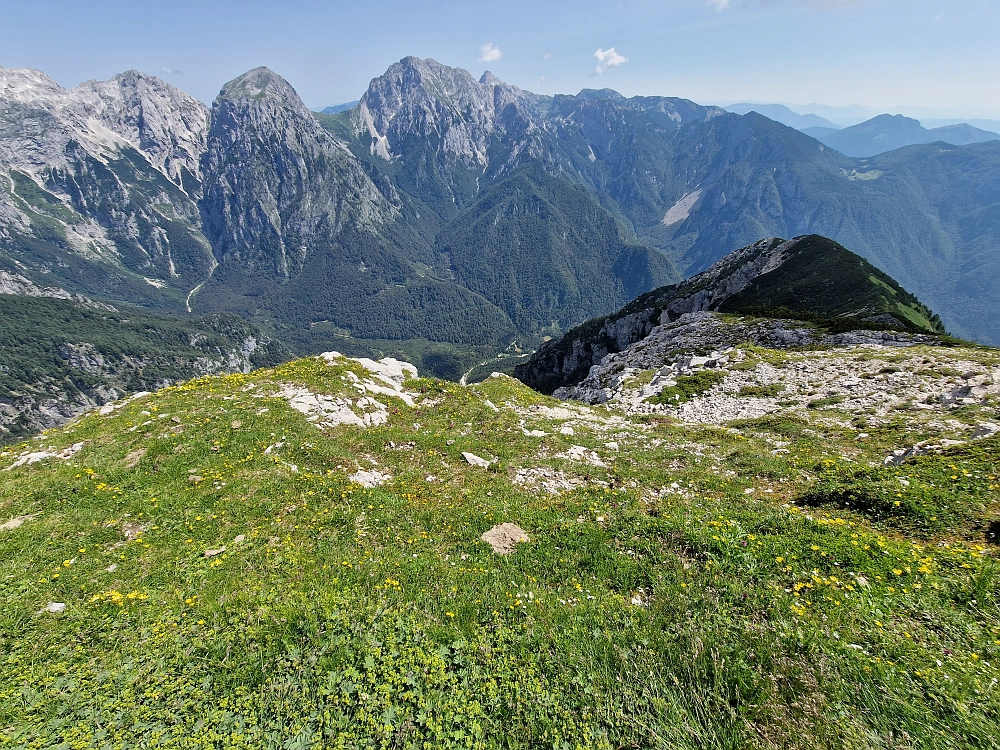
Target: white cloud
<point>172,71</point>
<point>719,4</point>
<point>547,56</point>
<point>608,59</point>
<point>489,52</point>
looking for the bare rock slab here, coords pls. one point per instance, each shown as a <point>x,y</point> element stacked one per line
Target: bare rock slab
<point>473,460</point>
<point>504,537</point>
<point>985,429</point>
<point>15,522</point>
<point>369,479</point>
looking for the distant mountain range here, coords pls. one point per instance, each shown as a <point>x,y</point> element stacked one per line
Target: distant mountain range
<point>784,115</point>
<point>876,135</point>
<point>889,132</point>
<point>445,218</point>
<point>337,108</point>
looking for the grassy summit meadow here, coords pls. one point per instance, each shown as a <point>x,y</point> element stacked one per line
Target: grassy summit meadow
<point>204,567</point>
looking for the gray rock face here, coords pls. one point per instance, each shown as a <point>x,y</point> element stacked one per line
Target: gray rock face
<point>277,185</point>
<point>729,276</point>
<point>554,367</point>
<point>39,118</point>
<point>83,357</point>
<point>107,172</point>
<point>681,344</point>
<point>460,116</point>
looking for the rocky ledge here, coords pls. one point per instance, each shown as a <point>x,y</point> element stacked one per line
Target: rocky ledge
<point>710,369</point>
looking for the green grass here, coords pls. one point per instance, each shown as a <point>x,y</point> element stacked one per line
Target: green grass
<point>688,387</point>
<point>822,403</point>
<point>771,390</point>
<point>925,494</point>
<point>352,617</point>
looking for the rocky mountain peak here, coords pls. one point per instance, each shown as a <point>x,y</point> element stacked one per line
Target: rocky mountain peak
<point>101,160</point>
<point>732,274</point>
<point>809,278</point>
<point>39,118</point>
<point>488,79</point>
<point>610,94</point>
<point>807,274</point>
<point>263,89</point>
<point>167,125</point>
<point>427,99</point>
<point>276,182</point>
<point>26,84</point>
<point>259,83</point>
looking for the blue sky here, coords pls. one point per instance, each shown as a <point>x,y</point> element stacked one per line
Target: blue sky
<point>934,54</point>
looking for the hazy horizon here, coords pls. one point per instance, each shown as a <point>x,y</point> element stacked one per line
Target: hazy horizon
<point>885,55</point>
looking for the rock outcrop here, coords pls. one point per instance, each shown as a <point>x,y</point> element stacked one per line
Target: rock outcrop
<point>810,277</point>
<point>103,178</point>
<point>694,341</point>
<point>278,187</point>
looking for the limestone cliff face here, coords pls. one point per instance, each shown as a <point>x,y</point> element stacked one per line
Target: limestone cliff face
<point>568,360</point>
<point>278,187</point>
<point>107,172</point>
<point>160,121</point>
<point>458,116</point>
<point>729,276</point>
<point>39,118</point>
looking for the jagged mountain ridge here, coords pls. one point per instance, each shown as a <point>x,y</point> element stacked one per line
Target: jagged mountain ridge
<point>697,182</point>
<point>98,185</point>
<point>809,277</point>
<point>447,135</point>
<point>694,182</point>
<point>153,117</point>
<point>305,231</point>
<point>300,230</point>
<point>277,181</point>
